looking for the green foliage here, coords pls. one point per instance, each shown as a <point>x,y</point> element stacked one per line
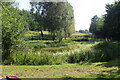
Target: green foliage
<point>47,46</point>
<point>37,45</point>
<point>108,25</point>
<point>76,57</point>
<point>30,19</point>
<point>13,28</point>
<point>112,21</point>
<point>93,25</point>
<point>37,11</point>
<point>96,26</point>
<point>56,17</point>
<point>20,58</point>
<point>102,51</point>
<point>70,30</point>
<point>57,44</point>
<point>60,34</point>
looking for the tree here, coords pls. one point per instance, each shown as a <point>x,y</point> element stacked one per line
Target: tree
<point>96,26</point>
<point>13,28</point>
<point>112,21</point>
<point>86,31</point>
<point>30,19</point>
<point>81,31</point>
<point>58,15</point>
<point>54,17</point>
<point>38,11</point>
<point>71,30</point>
<point>93,24</point>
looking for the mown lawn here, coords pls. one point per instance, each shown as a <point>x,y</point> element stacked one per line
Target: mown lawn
<point>81,70</point>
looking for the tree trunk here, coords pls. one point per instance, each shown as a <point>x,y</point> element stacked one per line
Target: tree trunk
<point>65,37</point>
<point>60,39</point>
<point>42,34</point>
<point>53,36</point>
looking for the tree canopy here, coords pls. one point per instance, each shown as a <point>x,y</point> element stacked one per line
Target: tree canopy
<point>54,16</point>
<point>112,21</point>
<point>13,28</point>
<point>109,24</point>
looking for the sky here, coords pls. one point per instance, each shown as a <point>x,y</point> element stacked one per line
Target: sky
<point>84,10</point>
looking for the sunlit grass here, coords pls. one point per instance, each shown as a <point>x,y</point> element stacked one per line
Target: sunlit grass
<point>78,34</point>
<point>37,41</point>
<point>37,32</point>
<point>93,70</point>
<point>28,35</point>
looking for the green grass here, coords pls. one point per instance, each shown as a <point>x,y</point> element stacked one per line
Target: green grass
<point>53,59</point>
<point>40,52</point>
<point>86,70</point>
<point>49,44</point>
<point>38,44</point>
<point>37,32</point>
<point>78,34</point>
<point>28,35</point>
<point>36,35</point>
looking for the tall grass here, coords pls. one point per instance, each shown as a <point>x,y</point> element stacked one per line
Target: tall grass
<point>47,57</point>
<point>30,58</point>
<point>102,51</point>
